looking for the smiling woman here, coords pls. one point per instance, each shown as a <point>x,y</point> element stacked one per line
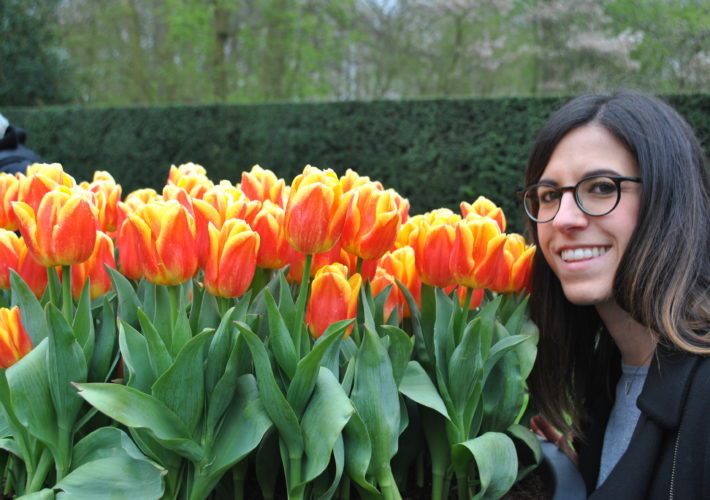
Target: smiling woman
<point>618,199</point>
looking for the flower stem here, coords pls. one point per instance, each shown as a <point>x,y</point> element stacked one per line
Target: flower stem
<point>358,266</point>
<point>301,302</point>
<point>67,301</point>
<point>239,473</point>
<point>36,480</point>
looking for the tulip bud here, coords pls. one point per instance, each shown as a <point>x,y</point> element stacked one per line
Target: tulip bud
<point>372,222</point>
<point>93,268</point>
<point>15,343</point>
<point>232,259</point>
<point>333,298</point>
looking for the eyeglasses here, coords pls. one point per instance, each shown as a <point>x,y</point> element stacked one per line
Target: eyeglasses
<point>595,195</point>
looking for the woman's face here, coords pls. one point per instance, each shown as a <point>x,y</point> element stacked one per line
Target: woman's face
<point>584,251</point>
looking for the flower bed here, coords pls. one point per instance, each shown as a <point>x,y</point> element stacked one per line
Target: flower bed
<point>311,340</point>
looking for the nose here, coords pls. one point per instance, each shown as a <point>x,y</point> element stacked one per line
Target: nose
<point>569,216</point>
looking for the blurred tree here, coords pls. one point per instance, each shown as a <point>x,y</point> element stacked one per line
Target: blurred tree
<point>33,70</point>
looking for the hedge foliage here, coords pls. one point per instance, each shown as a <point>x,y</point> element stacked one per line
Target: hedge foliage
<point>435,152</point>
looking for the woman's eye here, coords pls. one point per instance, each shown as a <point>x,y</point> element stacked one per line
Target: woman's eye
<point>601,187</point>
<point>548,195</point>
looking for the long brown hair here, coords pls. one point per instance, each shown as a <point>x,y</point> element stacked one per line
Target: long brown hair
<point>663,278</point>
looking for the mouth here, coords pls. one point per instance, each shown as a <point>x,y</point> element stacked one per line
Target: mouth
<point>576,254</point>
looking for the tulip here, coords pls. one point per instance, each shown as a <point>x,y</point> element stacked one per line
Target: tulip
<point>474,301</point>
<point>31,272</point>
<point>333,298</point>
<point>372,222</point>
<point>433,241</point>
<point>9,188</point>
<point>506,266</point>
<point>400,265</point>
<point>315,211</point>
<point>185,169</point>
<point>261,185</point>
<point>108,194</point>
<point>15,343</point>
<point>232,260</point>
<point>273,249</point>
<point>62,232</point>
<point>352,180</point>
<point>173,192</point>
<point>158,242</point>
<point>42,178</point>
<point>297,260</point>
<point>486,208</point>
<point>470,248</point>
<point>93,268</point>
<point>11,247</point>
<point>395,299</point>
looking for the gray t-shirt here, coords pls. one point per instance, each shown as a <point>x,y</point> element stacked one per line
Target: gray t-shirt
<point>622,419</point>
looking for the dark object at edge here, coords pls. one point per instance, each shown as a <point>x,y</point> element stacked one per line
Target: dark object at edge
<point>14,156</point>
<point>559,471</point>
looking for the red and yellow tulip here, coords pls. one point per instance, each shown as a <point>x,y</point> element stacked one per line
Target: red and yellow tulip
<point>15,343</point>
<point>485,208</point>
<point>9,189</point>
<point>372,222</point>
<point>261,185</point>
<point>433,241</point>
<point>400,264</point>
<point>470,249</point>
<point>11,247</point>
<point>232,259</point>
<point>315,212</point>
<point>93,268</point>
<point>63,230</point>
<point>333,298</point>
<point>273,249</point>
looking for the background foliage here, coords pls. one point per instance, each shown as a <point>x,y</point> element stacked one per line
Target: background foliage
<point>435,152</point>
<point>240,51</point>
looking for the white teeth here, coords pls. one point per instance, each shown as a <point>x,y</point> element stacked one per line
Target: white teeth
<point>582,253</point>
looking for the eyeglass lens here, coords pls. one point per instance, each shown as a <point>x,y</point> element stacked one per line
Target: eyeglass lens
<point>594,196</point>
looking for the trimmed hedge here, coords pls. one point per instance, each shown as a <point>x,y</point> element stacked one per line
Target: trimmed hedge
<point>434,152</point>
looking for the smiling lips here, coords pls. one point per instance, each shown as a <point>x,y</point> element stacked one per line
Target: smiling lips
<point>573,254</point>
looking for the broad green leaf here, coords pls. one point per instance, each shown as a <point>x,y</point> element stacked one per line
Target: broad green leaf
<point>280,339</point>
<point>83,324</point>
<point>466,366</point>
<point>339,459</point>
<point>527,351</point>
<point>33,318</point>
<point>45,494</point>
<point>304,380</point>
<point>325,417</point>
<point>219,350</point>
<point>182,386</point>
<point>136,362</point>
<point>443,335</point>
<point>65,364</point>
<point>11,446</point>
<point>220,396</point>
<point>110,478</point>
<point>501,347</point>
<point>267,458</point>
<point>182,332</point>
<point>11,424</point>
<point>418,387</point>
<point>504,394</point>
<point>104,346</point>
<point>31,397</point>
<point>137,409</point>
<point>128,302</point>
<point>158,354</point>
<point>358,451</point>
<point>400,350</point>
<point>496,462</point>
<point>368,305</point>
<point>531,442</point>
<point>276,405</point>
<point>104,442</point>
<point>376,398</point>
<point>514,323</point>
<point>240,432</point>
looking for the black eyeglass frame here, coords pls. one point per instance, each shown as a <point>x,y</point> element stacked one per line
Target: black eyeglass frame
<point>618,179</point>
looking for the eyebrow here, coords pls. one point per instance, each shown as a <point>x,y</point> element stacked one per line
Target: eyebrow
<point>596,171</point>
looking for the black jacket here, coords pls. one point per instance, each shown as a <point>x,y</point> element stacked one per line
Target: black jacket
<point>669,452</point>
<point>14,156</point>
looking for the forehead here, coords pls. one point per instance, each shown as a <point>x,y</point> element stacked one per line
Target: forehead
<point>587,150</point>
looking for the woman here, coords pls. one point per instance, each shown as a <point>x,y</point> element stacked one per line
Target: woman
<point>618,198</point>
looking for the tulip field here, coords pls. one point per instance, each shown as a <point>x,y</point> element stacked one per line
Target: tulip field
<point>259,339</point>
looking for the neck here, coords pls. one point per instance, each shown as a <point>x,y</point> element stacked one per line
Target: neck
<point>635,341</point>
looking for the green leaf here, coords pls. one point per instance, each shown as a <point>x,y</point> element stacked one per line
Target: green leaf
<point>276,405</point>
<point>466,367</point>
<point>323,421</point>
<point>105,344</point>
<point>358,451</point>
<point>158,354</point>
<point>531,442</point>
<point>31,397</point>
<point>376,398</point>
<point>182,386</point>
<point>33,318</point>
<point>501,347</point>
<point>219,351</point>
<point>182,332</point>
<point>103,443</point>
<point>496,462</point>
<point>418,387</point>
<point>527,351</point>
<point>110,478</point>
<point>220,397</point>
<point>136,361</point>
<point>443,335</point>
<point>304,380</point>
<point>137,409</point>
<point>128,302</point>
<point>280,339</point>
<point>400,350</point>
<point>83,324</point>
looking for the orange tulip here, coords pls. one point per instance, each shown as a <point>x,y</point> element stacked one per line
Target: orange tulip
<point>9,188</point>
<point>31,272</point>
<point>232,261</point>
<point>15,343</point>
<point>333,298</point>
<point>470,248</point>
<point>63,231</point>
<point>433,241</point>
<point>372,222</point>
<point>476,297</point>
<point>172,192</point>
<point>273,249</point>
<point>395,299</point>
<point>93,268</point>
<point>158,241</point>
<point>315,211</point>
<point>108,194</point>
<point>400,264</point>
<point>352,180</point>
<point>486,208</point>
<point>506,266</point>
<point>297,260</point>
<point>261,185</point>
<point>11,247</point>
<point>185,169</point>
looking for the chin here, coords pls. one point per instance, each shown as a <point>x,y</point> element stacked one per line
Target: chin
<point>586,296</point>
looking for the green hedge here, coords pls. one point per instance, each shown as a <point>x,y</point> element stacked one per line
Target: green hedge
<point>434,152</point>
